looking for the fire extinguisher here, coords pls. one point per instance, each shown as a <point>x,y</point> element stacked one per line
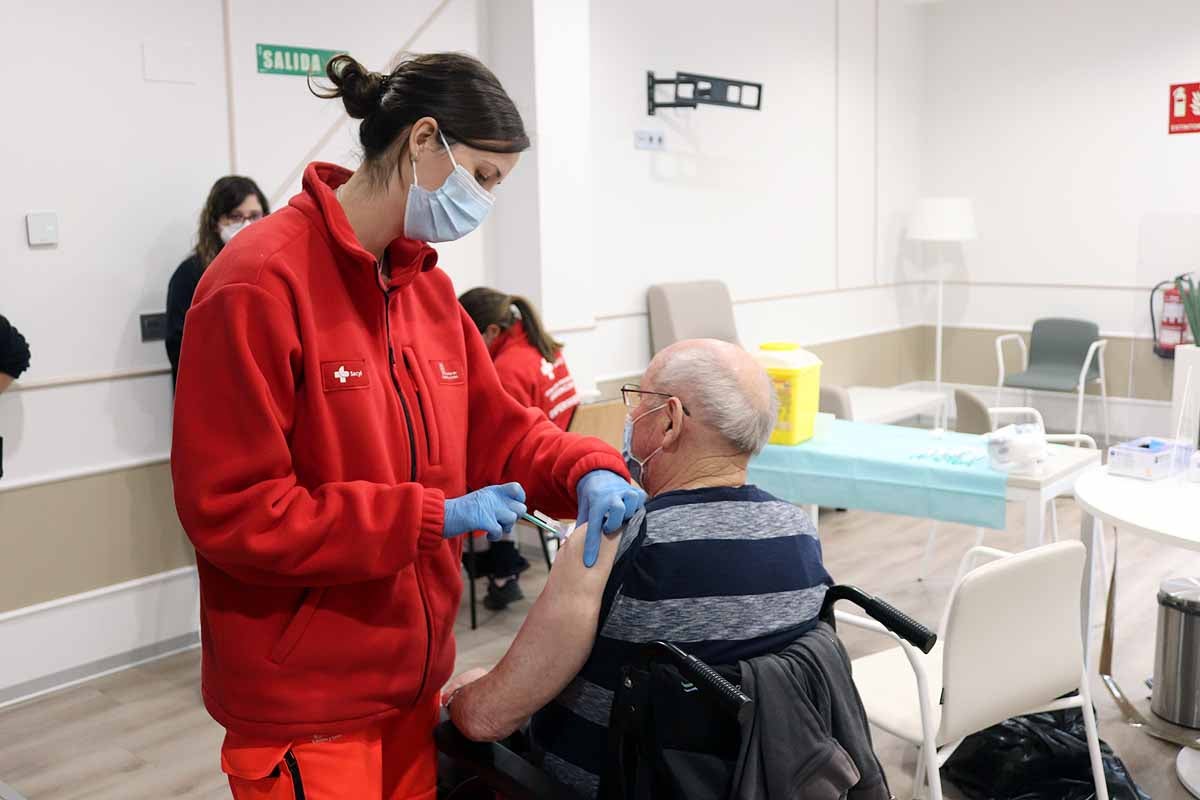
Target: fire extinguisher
<point>1172,330</point>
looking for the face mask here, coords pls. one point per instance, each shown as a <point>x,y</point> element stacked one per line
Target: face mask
<point>635,465</point>
<point>449,212</point>
<point>232,229</point>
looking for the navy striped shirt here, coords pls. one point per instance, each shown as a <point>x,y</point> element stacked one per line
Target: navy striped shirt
<point>725,573</point>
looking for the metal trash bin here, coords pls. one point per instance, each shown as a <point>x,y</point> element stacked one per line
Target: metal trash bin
<point>1177,653</point>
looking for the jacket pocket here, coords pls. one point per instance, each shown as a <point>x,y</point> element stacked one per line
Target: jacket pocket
<point>295,628</point>
<point>433,442</point>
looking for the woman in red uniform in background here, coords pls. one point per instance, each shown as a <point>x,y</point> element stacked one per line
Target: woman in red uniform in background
<point>531,368</point>
<point>528,360</point>
<point>340,426</point>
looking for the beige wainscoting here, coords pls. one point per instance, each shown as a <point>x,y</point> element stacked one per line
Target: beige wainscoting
<point>878,359</point>
<point>73,536</point>
<point>969,356</point>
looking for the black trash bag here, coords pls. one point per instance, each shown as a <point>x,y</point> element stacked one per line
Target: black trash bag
<point>1036,757</point>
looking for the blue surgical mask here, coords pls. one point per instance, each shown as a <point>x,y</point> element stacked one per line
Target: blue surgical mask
<point>449,212</point>
<point>635,465</point>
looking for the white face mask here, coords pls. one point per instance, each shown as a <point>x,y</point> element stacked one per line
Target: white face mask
<point>232,229</point>
<point>449,212</point>
<point>635,465</point>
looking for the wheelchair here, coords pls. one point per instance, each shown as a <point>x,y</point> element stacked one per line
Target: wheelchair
<point>648,695</point>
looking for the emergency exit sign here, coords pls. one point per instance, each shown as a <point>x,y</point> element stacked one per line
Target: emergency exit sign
<point>282,59</point>
<point>1185,108</point>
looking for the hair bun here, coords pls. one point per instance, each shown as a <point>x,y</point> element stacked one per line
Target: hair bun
<point>359,88</point>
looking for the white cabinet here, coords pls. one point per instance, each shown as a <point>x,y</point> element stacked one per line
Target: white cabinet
<point>1185,397</point>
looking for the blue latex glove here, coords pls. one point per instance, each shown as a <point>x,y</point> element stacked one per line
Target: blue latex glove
<point>493,509</point>
<point>606,502</point>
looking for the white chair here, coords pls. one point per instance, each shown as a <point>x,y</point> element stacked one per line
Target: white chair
<point>971,414</point>
<point>1009,645</point>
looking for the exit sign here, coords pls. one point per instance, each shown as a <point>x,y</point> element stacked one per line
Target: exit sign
<point>282,59</point>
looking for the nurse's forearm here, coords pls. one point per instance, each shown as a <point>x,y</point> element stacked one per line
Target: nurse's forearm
<point>278,533</point>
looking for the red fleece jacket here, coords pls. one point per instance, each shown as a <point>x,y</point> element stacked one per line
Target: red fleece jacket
<point>321,420</point>
<point>533,381</point>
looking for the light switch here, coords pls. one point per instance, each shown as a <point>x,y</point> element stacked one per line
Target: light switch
<point>41,228</point>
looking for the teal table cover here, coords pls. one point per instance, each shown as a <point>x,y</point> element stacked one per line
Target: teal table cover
<point>887,468</point>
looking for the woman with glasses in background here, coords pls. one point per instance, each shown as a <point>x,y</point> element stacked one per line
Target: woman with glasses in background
<point>233,203</point>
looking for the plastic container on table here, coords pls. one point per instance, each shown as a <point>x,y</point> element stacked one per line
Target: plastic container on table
<point>796,374</point>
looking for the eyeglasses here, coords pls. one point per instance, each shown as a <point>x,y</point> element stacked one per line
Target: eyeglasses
<point>238,218</point>
<point>632,394</point>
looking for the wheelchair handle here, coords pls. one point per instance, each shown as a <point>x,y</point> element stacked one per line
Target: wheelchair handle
<point>885,614</point>
<point>729,697</point>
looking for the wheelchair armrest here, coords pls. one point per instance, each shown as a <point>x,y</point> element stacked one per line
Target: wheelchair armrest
<point>728,697</point>
<point>890,617</point>
<point>498,767</point>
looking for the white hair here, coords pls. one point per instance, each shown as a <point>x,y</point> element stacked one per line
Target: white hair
<point>743,412</point>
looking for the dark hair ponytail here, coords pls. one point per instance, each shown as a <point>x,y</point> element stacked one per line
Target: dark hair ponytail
<point>546,344</point>
<point>457,90</point>
<point>489,307</point>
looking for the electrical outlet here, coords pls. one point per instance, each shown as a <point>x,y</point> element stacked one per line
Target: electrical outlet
<point>649,140</point>
<point>154,327</point>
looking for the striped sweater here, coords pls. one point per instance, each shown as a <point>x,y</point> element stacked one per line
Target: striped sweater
<point>725,573</point>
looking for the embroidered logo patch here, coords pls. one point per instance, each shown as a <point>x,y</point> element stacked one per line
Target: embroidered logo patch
<point>448,371</point>
<point>337,375</point>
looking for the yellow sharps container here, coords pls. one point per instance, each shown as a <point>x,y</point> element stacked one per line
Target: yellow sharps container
<point>796,374</point>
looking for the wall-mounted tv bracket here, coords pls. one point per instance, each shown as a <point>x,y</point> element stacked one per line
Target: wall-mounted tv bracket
<point>691,90</point>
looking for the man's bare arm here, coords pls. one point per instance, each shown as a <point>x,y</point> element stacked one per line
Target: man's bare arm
<point>549,650</point>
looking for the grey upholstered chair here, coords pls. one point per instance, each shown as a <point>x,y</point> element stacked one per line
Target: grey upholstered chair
<point>690,310</point>
<point>1064,355</point>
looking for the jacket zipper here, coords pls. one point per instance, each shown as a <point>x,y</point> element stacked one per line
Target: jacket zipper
<point>412,449</point>
<point>408,422</point>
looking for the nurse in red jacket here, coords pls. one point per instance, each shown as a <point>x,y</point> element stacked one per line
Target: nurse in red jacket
<point>339,426</point>
<point>528,360</point>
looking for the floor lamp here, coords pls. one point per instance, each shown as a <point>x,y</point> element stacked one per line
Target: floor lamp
<point>941,219</point>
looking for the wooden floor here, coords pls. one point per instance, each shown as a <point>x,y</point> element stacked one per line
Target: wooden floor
<point>143,733</point>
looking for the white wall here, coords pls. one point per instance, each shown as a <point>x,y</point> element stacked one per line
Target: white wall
<point>797,207</point>
<point>127,163</point>
<point>1053,118</point>
<point>511,232</point>
<point>124,161</point>
<point>789,205</point>
<point>278,120</point>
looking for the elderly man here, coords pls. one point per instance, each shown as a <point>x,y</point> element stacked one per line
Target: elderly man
<point>720,568</point>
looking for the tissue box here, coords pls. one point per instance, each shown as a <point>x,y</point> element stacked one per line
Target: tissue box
<point>1147,458</point>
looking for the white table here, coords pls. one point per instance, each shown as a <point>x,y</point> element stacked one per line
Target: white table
<point>1054,477</point>
<point>889,406</point>
<point>1167,511</point>
<point>1035,490</point>
<point>853,448</point>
